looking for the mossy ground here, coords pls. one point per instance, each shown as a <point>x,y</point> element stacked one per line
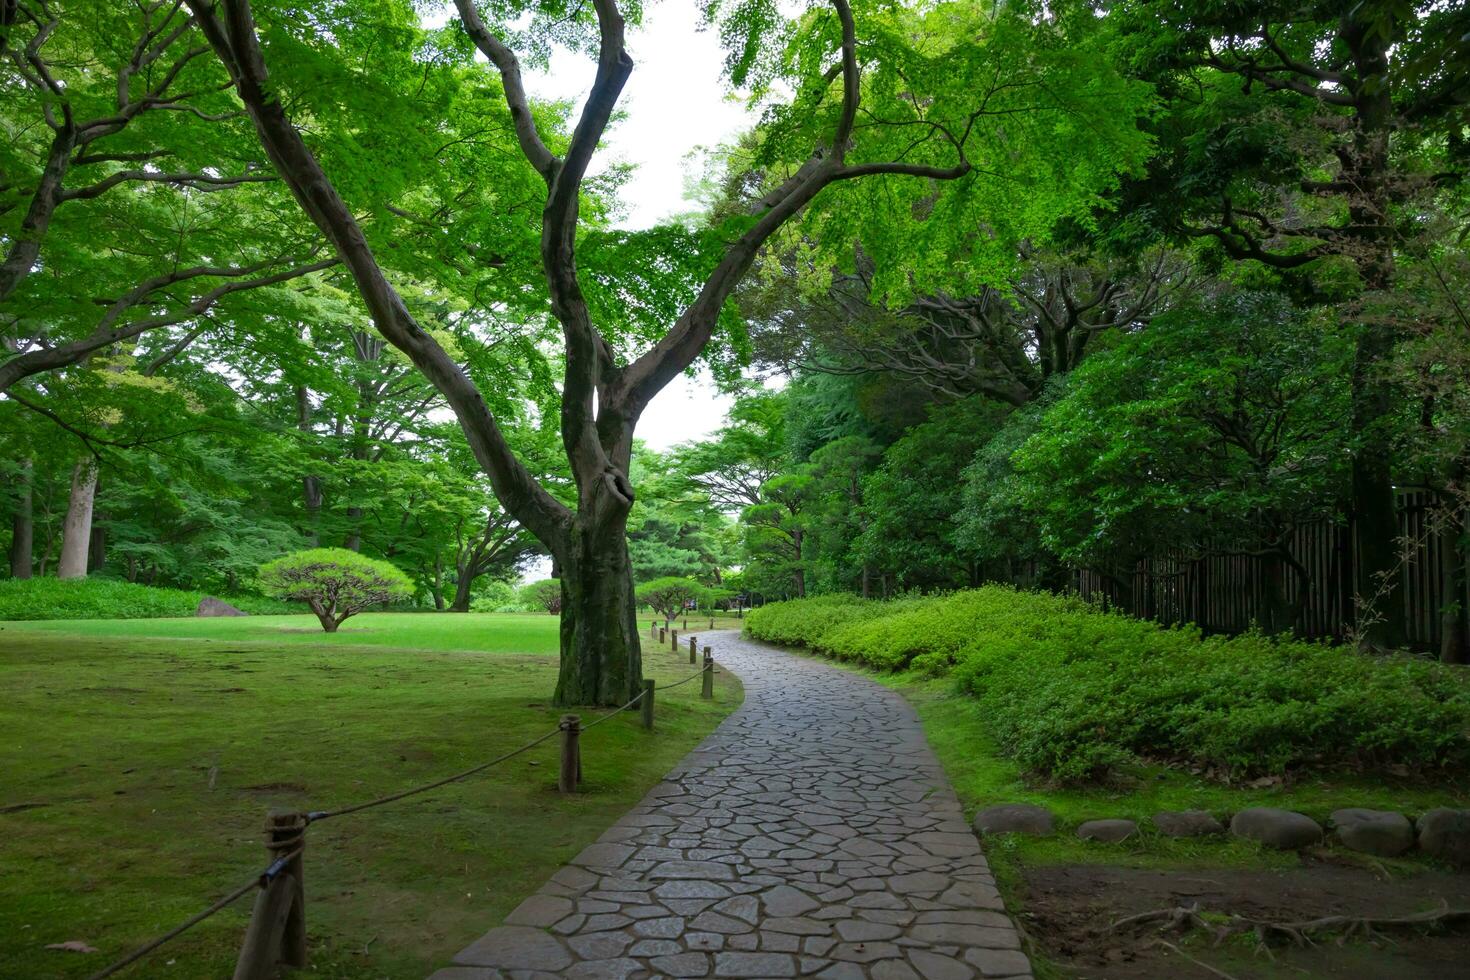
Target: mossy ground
<point>155,748</point>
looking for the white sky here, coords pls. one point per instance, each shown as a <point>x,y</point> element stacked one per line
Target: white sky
<point>674,103</point>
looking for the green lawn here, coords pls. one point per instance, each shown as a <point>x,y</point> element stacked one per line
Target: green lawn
<point>155,748</point>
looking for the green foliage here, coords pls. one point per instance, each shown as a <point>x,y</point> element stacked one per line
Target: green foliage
<point>104,598</point>
<point>1225,422</point>
<point>544,594</point>
<point>910,502</point>
<point>494,596</point>
<point>670,596</point>
<point>335,582</point>
<point>1073,693</point>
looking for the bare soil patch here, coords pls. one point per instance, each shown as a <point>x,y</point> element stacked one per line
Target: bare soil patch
<point>1068,910</point>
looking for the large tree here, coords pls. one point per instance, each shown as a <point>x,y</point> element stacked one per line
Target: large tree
<point>1307,140</point>
<point>933,100</point>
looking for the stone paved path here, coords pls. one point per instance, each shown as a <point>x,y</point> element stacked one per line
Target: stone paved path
<point>812,834</point>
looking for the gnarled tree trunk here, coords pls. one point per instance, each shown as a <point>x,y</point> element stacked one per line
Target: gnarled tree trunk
<point>601,657</point>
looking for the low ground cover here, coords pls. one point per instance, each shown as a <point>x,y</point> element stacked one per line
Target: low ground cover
<point>1076,695</point>
<point>102,598</point>
<point>139,759</point>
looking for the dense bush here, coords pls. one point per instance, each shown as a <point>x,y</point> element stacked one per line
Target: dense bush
<point>803,622</point>
<point>1073,692</point>
<point>103,598</point>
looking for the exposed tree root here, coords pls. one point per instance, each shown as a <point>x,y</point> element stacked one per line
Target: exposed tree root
<point>1182,918</point>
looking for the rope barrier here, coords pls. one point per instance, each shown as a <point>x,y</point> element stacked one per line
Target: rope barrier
<point>318,815</point>
<point>686,680</point>
<point>259,881</point>
<point>274,869</point>
<point>616,711</point>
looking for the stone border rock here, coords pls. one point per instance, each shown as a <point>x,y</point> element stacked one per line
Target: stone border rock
<point>1443,833</point>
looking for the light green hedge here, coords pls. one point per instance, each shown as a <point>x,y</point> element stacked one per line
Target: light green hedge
<point>100,598</point>
<point>1072,692</point>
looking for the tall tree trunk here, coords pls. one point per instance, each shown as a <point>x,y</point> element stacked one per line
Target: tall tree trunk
<point>97,548</point>
<point>462,592</point>
<point>1383,618</point>
<point>76,530</point>
<point>601,659</point>
<point>22,526</point>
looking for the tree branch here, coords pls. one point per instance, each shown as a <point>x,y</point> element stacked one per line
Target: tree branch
<point>234,40</point>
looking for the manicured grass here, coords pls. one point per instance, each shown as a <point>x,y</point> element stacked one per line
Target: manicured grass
<point>477,632</point>
<point>155,749</point>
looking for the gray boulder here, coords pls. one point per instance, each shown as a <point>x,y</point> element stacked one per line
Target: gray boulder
<point>1379,832</point>
<point>210,606</point>
<point>1107,831</point>
<point>1445,833</point>
<point>1187,823</point>
<point>1284,829</point>
<point>1015,818</point>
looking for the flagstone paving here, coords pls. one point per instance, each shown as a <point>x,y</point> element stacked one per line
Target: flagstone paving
<point>812,834</point>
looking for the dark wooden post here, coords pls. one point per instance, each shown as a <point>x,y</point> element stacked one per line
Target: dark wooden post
<point>663,634</point>
<point>712,622</point>
<point>674,640</point>
<point>686,622</point>
<point>571,754</point>
<point>276,935</point>
<point>691,649</point>
<point>287,834</point>
<point>708,690</point>
<point>648,683</point>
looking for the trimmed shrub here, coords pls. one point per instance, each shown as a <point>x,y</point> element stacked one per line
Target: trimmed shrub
<point>104,598</point>
<point>334,582</point>
<point>1073,693</point>
<point>544,596</point>
<point>803,622</point>
<point>669,596</point>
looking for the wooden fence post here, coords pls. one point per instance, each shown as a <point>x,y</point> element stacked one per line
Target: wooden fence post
<point>662,634</point>
<point>674,640</point>
<point>276,935</point>
<point>648,683</point>
<point>708,689</point>
<point>571,754</point>
<point>691,649</point>
<point>686,622</point>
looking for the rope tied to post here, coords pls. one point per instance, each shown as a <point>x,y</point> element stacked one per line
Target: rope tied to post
<point>260,880</point>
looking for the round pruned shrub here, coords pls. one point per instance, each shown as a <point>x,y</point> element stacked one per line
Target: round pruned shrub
<point>669,596</point>
<point>334,582</point>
